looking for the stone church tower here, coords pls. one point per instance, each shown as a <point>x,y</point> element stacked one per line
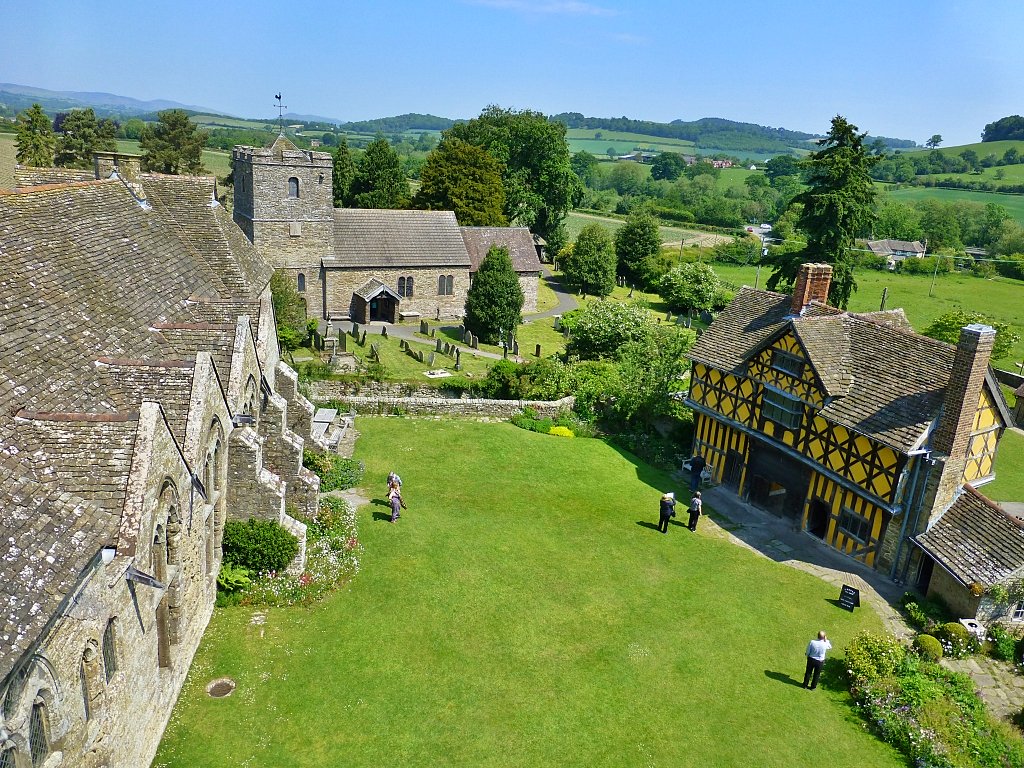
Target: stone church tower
<point>284,205</point>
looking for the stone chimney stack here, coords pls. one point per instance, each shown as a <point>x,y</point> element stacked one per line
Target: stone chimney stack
<point>964,390</point>
<point>812,283</point>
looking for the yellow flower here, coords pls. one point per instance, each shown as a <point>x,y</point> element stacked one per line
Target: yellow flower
<point>561,431</point>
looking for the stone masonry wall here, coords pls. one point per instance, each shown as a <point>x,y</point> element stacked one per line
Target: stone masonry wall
<point>529,283</point>
<point>341,283</point>
<point>443,406</point>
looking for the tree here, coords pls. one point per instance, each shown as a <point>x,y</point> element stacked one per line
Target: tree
<point>463,178</point>
<point>635,241</point>
<point>174,145</point>
<point>878,147</point>
<point>782,165</point>
<point>897,221</point>
<point>947,328</point>
<point>380,181</point>
<point>934,141</point>
<point>290,311</point>
<point>590,262</point>
<point>81,137</point>
<point>690,287</point>
<point>494,302</point>
<point>651,374</point>
<point>602,328</point>
<point>540,185</point>
<point>342,174</point>
<point>583,165</point>
<point>1009,128</point>
<point>668,166</point>
<point>36,143</point>
<point>838,206</point>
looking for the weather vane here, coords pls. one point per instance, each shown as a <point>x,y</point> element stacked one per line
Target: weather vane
<point>280,113</point>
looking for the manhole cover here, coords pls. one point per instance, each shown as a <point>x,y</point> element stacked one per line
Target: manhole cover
<point>221,687</point>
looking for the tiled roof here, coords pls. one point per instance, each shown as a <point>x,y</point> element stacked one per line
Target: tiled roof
<point>370,237</point>
<point>374,287</point>
<point>975,540</point>
<point>886,247</point>
<point>518,241</point>
<point>882,379</point>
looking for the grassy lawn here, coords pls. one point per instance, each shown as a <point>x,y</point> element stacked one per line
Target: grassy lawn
<point>1012,203</point>
<point>1000,298</point>
<point>1009,482</point>
<point>524,612</point>
<point>546,297</point>
<point>575,222</point>
<point>401,366</point>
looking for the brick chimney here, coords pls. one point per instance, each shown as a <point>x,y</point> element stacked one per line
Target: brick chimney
<point>964,390</point>
<point>812,284</point>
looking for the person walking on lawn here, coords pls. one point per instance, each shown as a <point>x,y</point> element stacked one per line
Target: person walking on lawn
<point>666,511</point>
<point>816,650</point>
<point>696,508</point>
<point>395,498</point>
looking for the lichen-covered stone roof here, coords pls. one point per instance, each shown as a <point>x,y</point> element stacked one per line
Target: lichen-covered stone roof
<point>975,540</point>
<point>384,238</point>
<point>517,240</point>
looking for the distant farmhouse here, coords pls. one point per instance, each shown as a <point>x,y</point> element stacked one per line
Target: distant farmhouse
<point>357,264</point>
<point>142,405</point>
<point>862,432</point>
<point>897,250</point>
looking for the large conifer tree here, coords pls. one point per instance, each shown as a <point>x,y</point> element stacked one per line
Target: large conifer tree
<point>463,178</point>
<point>838,206</point>
<point>342,174</point>
<point>36,143</point>
<point>174,145</point>
<point>380,181</point>
<point>495,300</point>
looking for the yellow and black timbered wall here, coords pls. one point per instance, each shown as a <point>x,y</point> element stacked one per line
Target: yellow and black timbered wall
<point>732,396</point>
<point>985,432</point>
<point>785,366</point>
<point>851,523</point>
<point>872,466</point>
<point>716,441</point>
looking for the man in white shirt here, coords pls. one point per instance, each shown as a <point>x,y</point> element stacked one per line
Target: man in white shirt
<point>816,650</point>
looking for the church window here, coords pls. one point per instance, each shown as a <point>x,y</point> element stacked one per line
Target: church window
<point>787,363</point>
<point>293,187</point>
<point>445,285</point>
<point>83,673</point>
<point>401,286</point>
<point>854,525</point>
<point>782,409</point>
<point>38,740</point>
<point>301,280</point>
<point>109,650</point>
<point>408,286</point>
<point>440,285</point>
<point>7,758</point>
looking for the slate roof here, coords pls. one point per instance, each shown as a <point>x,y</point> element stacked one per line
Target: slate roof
<point>975,540</point>
<point>518,240</point>
<point>372,288</point>
<point>882,380</point>
<point>888,247</point>
<point>104,303</point>
<point>368,238</point>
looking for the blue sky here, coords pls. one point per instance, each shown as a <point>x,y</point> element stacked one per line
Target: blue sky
<point>901,68</point>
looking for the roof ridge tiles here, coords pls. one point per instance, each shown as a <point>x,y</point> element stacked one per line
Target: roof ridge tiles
<point>75,416</point>
<point>24,191</point>
<point>135,362</point>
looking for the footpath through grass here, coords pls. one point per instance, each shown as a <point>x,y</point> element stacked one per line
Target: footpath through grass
<point>525,612</point>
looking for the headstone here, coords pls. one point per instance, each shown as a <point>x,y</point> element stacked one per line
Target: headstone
<point>342,341</point>
<point>668,316</point>
<point>458,357</point>
<point>558,322</point>
<point>438,346</point>
<point>476,342</point>
<point>384,331</point>
<point>849,597</point>
<point>419,355</point>
<point>433,331</point>
<point>504,352</point>
<point>362,341</point>
<point>424,328</point>
<point>430,360</point>
<point>437,315</point>
<point>373,352</point>
<point>538,351</point>
<point>515,348</point>
<point>630,292</point>
<point>355,330</point>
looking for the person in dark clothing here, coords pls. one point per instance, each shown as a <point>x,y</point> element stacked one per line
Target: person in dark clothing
<point>667,511</point>
<point>815,653</point>
<point>395,498</point>
<point>696,508</point>
<point>697,465</point>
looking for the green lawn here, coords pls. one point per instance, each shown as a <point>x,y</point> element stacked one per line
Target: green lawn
<point>1000,298</point>
<point>546,298</point>
<point>401,366</point>
<point>524,612</point>
<point>574,222</point>
<point>1009,482</point>
<point>1012,203</point>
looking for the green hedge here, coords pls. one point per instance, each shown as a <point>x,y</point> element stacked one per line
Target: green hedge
<point>261,546</point>
<point>336,473</point>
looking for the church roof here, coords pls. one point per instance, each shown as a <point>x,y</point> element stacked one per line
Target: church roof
<point>380,238</point>
<point>283,144</point>
<point>975,540</point>
<point>373,288</point>
<point>880,378</point>
<point>517,240</point>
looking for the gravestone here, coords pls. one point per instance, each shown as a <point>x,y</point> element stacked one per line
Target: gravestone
<point>433,332</point>
<point>668,317</point>
<point>430,360</point>
<point>849,597</point>
<point>342,341</point>
<point>355,330</point>
<point>476,342</point>
<point>458,357</point>
<point>515,348</point>
<point>374,353</point>
<point>504,352</point>
<point>424,328</point>
<point>384,331</point>
<point>558,322</point>
<point>438,346</point>
<point>538,351</point>
<point>467,337</point>
<point>419,355</point>
<point>362,341</point>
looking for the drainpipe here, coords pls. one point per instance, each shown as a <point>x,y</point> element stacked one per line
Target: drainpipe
<point>922,457</point>
<point>917,510</point>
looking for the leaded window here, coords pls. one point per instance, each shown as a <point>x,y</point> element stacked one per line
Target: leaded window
<point>109,651</point>
<point>408,286</point>
<point>1018,611</point>
<point>293,187</point>
<point>85,690</point>
<point>38,740</point>
<point>449,285</point>
<point>782,408</point>
<point>401,286</point>
<point>854,525</point>
<point>787,363</point>
<point>301,283</point>
<point>7,758</point>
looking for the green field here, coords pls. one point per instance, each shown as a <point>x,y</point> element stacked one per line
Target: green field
<point>1009,469</point>
<point>525,612</point>
<point>575,222</point>
<point>1014,204</point>
<point>983,148</point>
<point>1000,298</point>
<point>584,139</point>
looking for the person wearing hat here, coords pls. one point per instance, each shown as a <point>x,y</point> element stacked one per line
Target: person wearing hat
<point>668,510</point>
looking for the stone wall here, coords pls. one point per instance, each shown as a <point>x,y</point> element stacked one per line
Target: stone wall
<point>445,406</point>
<point>529,282</point>
<point>958,597</point>
<point>341,283</point>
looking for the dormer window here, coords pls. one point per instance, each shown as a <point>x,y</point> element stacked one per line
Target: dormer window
<point>293,187</point>
<point>787,363</point>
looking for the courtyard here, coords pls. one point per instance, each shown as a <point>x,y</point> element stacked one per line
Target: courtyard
<point>525,611</point>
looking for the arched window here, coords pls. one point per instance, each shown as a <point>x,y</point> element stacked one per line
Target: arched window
<point>440,285</point>
<point>7,758</point>
<point>109,650</point>
<point>86,702</point>
<point>159,557</point>
<point>450,285</point>
<point>301,282</point>
<point>401,286</point>
<point>408,286</point>
<point>293,187</point>
<point>38,738</point>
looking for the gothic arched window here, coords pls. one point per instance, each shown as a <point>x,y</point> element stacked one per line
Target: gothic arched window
<point>38,738</point>
<point>401,286</point>
<point>408,286</point>
<point>293,187</point>
<point>109,650</point>
<point>301,282</point>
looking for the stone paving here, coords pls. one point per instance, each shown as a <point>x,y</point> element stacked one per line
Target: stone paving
<point>780,539</point>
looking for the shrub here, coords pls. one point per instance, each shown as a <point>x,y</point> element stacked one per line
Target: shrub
<point>928,647</point>
<point>1004,645</point>
<point>335,472</point>
<point>261,546</point>
<point>915,615</point>
<point>957,642</point>
<point>925,613</point>
<point>871,657</point>
<point>233,578</point>
<point>561,431</point>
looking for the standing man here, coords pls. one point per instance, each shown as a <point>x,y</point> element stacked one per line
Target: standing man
<point>697,465</point>
<point>816,650</point>
<point>696,508</point>
<point>667,510</point>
